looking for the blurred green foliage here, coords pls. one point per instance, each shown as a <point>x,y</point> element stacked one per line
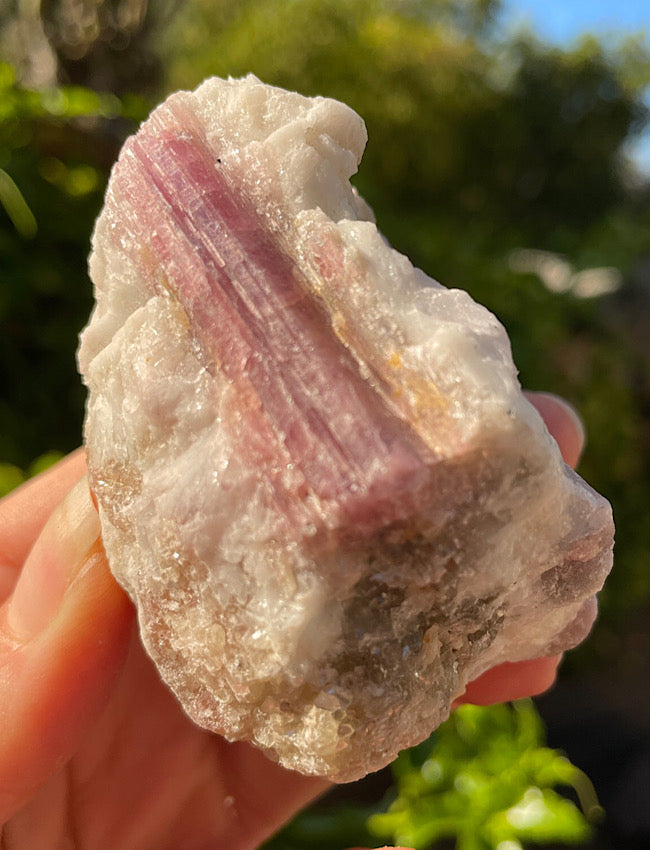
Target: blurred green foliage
<point>481,144</point>
<point>485,779</point>
<point>56,147</point>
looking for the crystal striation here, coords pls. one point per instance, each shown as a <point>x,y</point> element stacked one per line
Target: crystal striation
<point>316,473</point>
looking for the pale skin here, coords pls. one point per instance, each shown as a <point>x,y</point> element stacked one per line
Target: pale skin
<point>94,751</point>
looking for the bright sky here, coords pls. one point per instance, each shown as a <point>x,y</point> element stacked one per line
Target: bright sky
<point>563,20</point>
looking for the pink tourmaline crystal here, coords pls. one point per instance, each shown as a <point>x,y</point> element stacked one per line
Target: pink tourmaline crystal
<point>316,473</point>
<point>303,397</point>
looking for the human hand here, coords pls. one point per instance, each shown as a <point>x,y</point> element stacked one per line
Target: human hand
<point>94,750</point>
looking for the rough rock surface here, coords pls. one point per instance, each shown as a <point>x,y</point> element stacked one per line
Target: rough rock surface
<point>316,473</point>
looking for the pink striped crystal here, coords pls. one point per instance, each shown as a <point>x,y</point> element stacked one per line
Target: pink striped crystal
<point>251,313</point>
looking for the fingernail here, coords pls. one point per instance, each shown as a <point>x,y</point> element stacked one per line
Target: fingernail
<point>60,552</point>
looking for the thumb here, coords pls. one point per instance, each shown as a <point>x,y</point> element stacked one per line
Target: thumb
<point>64,632</point>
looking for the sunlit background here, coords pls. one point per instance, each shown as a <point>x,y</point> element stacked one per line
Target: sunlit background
<point>509,154</point>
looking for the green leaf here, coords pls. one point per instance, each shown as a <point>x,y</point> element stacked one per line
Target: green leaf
<point>16,206</point>
<point>485,778</point>
<point>540,816</point>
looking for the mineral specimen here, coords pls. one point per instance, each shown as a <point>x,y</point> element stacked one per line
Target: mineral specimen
<point>316,473</point>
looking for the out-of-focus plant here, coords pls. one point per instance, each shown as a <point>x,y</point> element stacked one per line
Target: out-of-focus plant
<point>485,780</point>
<point>56,147</point>
<point>21,109</point>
